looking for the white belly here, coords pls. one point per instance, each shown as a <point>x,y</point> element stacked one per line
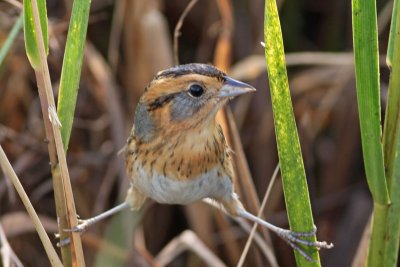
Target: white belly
<point>171,191</point>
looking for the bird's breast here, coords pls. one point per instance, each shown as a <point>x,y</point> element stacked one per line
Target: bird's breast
<point>171,191</point>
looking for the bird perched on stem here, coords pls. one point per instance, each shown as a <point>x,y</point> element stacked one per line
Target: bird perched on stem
<point>177,153</point>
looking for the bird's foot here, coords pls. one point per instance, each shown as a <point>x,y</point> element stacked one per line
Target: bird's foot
<point>82,226</point>
<point>294,239</point>
<point>64,242</point>
<point>304,234</point>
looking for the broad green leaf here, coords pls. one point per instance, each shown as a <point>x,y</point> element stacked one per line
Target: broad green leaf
<point>72,65</point>
<point>31,45</point>
<point>289,152</point>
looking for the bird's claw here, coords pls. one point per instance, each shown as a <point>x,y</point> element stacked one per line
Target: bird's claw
<point>64,242</point>
<point>80,228</point>
<point>294,239</point>
<point>305,234</point>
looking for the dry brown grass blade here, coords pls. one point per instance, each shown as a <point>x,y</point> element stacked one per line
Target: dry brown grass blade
<point>187,241</point>
<point>140,245</point>
<point>384,16</point>
<point>230,241</point>
<point>177,31</point>
<point>242,172</point>
<point>224,117</point>
<point>18,223</point>
<point>223,50</point>
<point>8,170</point>
<point>107,88</point>
<point>115,34</point>
<point>51,120</point>
<point>222,60</point>
<point>200,220</point>
<point>360,259</point>
<point>271,258</point>
<point>245,225</point>
<point>8,256</point>
<point>14,3</point>
<point>244,179</point>
<point>145,54</point>
<point>252,66</point>
<point>106,186</point>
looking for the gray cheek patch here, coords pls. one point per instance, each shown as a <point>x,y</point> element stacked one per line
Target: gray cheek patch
<point>184,106</point>
<point>144,125</point>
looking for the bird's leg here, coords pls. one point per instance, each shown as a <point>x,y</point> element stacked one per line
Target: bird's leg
<point>287,235</point>
<point>86,223</point>
<point>134,200</point>
<point>233,207</point>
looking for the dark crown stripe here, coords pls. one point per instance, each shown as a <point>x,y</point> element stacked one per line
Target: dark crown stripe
<point>194,68</point>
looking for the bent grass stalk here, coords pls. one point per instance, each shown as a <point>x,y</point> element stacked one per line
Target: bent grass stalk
<point>36,40</point>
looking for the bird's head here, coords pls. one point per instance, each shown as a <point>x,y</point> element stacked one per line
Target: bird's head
<point>184,97</point>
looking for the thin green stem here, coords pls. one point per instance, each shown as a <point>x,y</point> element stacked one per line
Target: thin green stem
<point>392,146</point>
<point>11,37</point>
<point>365,39</point>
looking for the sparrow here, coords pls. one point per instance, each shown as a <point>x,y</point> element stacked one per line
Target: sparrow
<point>176,152</point>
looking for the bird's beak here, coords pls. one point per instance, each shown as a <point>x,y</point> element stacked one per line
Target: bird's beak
<point>233,88</point>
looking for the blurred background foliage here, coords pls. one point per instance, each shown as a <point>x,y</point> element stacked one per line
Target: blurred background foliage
<point>128,42</point>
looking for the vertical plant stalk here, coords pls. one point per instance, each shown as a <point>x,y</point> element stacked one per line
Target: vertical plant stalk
<point>243,181</point>
<point>392,233</point>
<point>272,260</point>
<point>393,101</point>
<point>32,52</point>
<point>365,39</point>
<point>391,143</point>
<point>290,158</point>
<point>224,117</point>
<point>63,187</point>
<point>48,247</point>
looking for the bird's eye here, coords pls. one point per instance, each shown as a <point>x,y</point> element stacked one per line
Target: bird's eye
<point>196,90</point>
